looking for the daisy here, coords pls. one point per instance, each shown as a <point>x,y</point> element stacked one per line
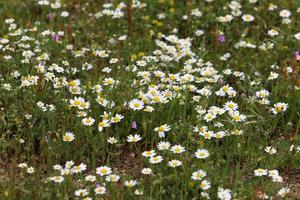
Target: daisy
<point>138,192</point>
<point>146,171</point>
<point>260,172</point>
<point>136,104</point>
<point>230,105</point>
<point>130,183</point>
<point>90,178</point>
<point>270,150</point>
<point>134,138</point>
<point>76,101</point>
<point>248,18</point>
<point>69,164</point>
<point>81,192</point>
<point>162,129</point>
<point>273,32</point>
<point>88,121</point>
<point>57,179</point>
<point>149,109</point>
<point>285,13</point>
<point>163,145</point>
<point>104,123</point>
<point>156,159</point>
<point>198,175</point>
<point>297,36</point>
<point>79,168</point>
<point>283,192</point>
<point>150,153</point>
<point>205,185</point>
<point>273,76</point>
<point>236,116</point>
<point>100,190</point>
<point>117,118</point>
<point>209,117</point>
<point>112,178</point>
<point>68,137</point>
<point>207,134</point>
<point>103,170</point>
<point>22,165</point>
<point>30,170</point>
<point>174,163</point>
<point>279,108</point>
<point>177,149</point>
<point>202,153</point>
<point>224,194</point>
<point>112,140</point>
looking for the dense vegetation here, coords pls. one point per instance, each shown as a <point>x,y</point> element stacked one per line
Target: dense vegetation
<point>153,99</point>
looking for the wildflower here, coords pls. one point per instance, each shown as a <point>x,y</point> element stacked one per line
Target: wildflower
<point>136,104</point>
<point>103,170</point>
<point>162,129</point>
<point>205,185</point>
<point>78,168</point>
<point>130,183</point>
<point>112,178</point>
<point>88,121</point>
<point>283,191</point>
<point>112,140</point>
<point>22,165</point>
<point>57,179</point>
<point>55,37</point>
<point>101,125</point>
<point>202,153</point>
<point>68,137</point>
<point>163,145</point>
<point>156,159</point>
<point>279,108</point>
<point>81,192</point>
<point>149,109</point>
<point>224,194</point>
<point>230,106</point>
<point>177,149</point>
<point>207,134</point>
<point>260,172</point>
<point>69,164</point>
<point>236,116</point>
<point>149,153</point>
<point>90,178</point>
<point>198,175</point>
<point>133,125</point>
<point>134,138</point>
<point>100,190</point>
<point>174,163</point>
<point>270,150</point>
<point>30,170</point>
<point>138,192</point>
<point>297,36</point>
<point>247,18</point>
<point>117,118</point>
<point>285,13</point>
<point>273,76</point>
<point>146,171</point>
<point>273,32</point>
<point>221,38</point>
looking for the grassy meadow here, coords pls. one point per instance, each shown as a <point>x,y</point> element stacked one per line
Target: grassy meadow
<point>149,99</point>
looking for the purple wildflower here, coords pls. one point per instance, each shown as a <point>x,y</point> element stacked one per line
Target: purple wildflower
<point>134,125</point>
<point>55,37</point>
<point>221,38</point>
<point>297,55</point>
<point>51,16</point>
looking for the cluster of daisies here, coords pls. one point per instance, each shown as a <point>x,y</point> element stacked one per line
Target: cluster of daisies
<point>208,95</point>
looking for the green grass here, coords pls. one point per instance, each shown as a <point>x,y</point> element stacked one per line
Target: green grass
<point>166,66</point>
